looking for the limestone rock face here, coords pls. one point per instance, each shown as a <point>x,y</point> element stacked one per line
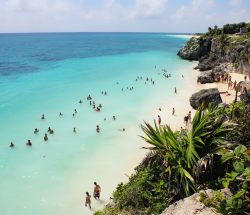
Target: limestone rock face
<point>192,205</point>
<point>245,91</point>
<point>209,76</point>
<point>213,51</point>
<point>195,49</point>
<point>205,96</point>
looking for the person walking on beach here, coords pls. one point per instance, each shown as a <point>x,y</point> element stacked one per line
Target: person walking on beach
<point>159,120</point>
<point>173,112</point>
<point>175,90</point>
<point>189,117</point>
<point>97,191</point>
<point>88,200</point>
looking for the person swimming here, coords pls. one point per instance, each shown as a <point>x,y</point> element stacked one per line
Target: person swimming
<point>12,145</point>
<point>75,111</point>
<point>29,143</point>
<point>89,97</point>
<point>45,137</point>
<point>100,106</point>
<point>80,102</point>
<point>97,129</point>
<point>42,117</point>
<point>36,130</point>
<point>114,118</point>
<point>73,114</point>
<point>74,130</point>
<point>88,200</point>
<point>60,114</point>
<point>49,129</point>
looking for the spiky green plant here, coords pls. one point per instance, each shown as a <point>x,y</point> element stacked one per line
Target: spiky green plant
<point>182,151</point>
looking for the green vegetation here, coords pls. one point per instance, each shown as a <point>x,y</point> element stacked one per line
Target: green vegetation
<point>228,29</point>
<point>208,155</point>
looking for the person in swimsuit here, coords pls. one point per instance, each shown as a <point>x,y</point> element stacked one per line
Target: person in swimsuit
<point>45,137</point>
<point>97,129</point>
<point>74,130</point>
<point>60,114</point>
<point>36,131</point>
<point>43,117</point>
<point>88,200</point>
<point>29,143</point>
<point>159,119</point>
<point>173,112</point>
<point>97,191</point>
<point>12,145</point>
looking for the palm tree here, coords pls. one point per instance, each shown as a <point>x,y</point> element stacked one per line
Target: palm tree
<point>182,150</point>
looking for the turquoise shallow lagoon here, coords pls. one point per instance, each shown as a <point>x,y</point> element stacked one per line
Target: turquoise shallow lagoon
<point>50,73</point>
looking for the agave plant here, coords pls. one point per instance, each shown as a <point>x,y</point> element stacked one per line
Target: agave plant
<point>184,151</point>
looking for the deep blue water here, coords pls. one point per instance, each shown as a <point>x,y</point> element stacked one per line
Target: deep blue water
<point>27,53</point>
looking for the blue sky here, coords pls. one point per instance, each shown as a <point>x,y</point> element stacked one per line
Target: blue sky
<point>119,15</point>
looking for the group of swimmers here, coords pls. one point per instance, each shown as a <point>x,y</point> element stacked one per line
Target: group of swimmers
<point>96,194</point>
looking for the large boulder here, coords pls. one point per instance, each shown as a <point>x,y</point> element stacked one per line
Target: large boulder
<point>205,96</point>
<point>210,76</point>
<point>244,87</point>
<point>205,77</point>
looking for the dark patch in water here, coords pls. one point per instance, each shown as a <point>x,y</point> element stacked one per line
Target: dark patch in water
<point>11,68</point>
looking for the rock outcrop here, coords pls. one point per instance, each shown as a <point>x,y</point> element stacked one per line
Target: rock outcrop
<point>213,51</point>
<point>195,49</point>
<point>205,97</point>
<point>210,76</point>
<point>244,87</point>
<point>192,205</point>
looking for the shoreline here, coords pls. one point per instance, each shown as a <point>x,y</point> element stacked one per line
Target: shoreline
<point>181,103</point>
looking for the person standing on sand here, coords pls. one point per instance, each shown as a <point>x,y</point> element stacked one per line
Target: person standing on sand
<point>175,90</point>
<point>159,120</point>
<point>173,112</point>
<point>97,191</point>
<point>88,200</point>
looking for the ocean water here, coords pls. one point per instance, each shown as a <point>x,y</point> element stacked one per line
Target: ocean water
<point>49,73</point>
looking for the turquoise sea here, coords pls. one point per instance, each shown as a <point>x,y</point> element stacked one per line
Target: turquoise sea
<point>49,73</point>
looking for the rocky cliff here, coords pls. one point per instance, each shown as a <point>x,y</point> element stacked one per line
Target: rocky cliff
<point>212,51</point>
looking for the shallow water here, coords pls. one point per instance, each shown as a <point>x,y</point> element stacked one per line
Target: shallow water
<point>50,73</point>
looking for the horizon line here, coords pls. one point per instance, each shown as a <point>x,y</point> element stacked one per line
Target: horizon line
<point>57,32</point>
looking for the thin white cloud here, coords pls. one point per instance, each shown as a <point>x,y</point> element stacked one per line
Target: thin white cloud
<point>149,8</point>
<point>196,9</point>
<point>235,2</point>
